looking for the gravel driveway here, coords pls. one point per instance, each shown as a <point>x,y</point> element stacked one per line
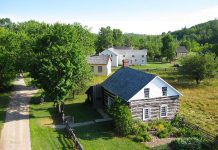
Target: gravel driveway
<point>16,133</point>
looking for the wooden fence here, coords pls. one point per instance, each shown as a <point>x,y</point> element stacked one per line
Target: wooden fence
<point>212,137</point>
<point>76,142</point>
<point>159,69</point>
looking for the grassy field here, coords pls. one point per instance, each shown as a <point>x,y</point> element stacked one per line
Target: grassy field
<point>199,103</point>
<point>42,135</point>
<point>101,137</point>
<point>150,65</point>
<point>153,65</point>
<point>4,100</point>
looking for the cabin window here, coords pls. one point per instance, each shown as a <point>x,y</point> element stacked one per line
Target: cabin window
<point>142,61</point>
<point>109,101</point>
<point>99,68</point>
<point>143,56</point>
<point>164,91</point>
<point>133,55</point>
<point>146,92</point>
<point>146,113</point>
<point>163,110</point>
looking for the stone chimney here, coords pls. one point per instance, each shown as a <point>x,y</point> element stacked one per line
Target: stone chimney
<point>125,63</point>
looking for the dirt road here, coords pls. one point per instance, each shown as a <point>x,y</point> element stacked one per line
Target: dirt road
<point>16,133</point>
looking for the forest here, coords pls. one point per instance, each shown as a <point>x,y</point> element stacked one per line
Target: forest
<point>61,49</point>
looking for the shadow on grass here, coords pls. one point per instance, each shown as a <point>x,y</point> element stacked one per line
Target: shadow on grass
<point>96,131</point>
<point>47,110</point>
<point>81,112</point>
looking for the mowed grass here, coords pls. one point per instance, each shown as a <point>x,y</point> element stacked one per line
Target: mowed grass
<point>4,101</point>
<point>42,135</point>
<point>150,65</point>
<point>153,65</point>
<point>101,137</point>
<point>80,110</point>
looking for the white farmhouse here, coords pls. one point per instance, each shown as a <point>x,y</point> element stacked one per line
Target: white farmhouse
<point>101,65</point>
<point>135,57</point>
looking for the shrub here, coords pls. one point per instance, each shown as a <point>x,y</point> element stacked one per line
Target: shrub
<point>138,139</point>
<point>122,117</point>
<point>139,127</point>
<point>162,133</point>
<point>162,127</point>
<point>186,144</point>
<point>146,136</point>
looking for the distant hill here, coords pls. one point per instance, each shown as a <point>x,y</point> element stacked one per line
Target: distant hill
<point>202,33</point>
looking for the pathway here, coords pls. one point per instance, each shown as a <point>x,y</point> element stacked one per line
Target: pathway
<point>16,133</point>
<point>157,141</point>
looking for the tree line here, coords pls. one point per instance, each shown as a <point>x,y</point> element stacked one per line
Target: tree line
<point>55,54</point>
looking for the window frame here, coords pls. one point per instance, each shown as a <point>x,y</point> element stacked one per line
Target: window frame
<point>163,106</point>
<point>133,55</point>
<point>99,69</point>
<point>164,93</point>
<point>148,92</point>
<point>143,113</point>
<point>109,101</point>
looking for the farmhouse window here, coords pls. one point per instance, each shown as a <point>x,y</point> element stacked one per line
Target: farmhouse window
<point>143,56</point>
<point>164,91</point>
<point>109,101</point>
<point>146,113</point>
<point>163,110</point>
<point>123,55</point>
<point>99,68</point>
<point>133,55</point>
<point>146,92</point>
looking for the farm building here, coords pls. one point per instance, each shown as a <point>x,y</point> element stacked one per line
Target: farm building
<point>101,65</point>
<point>181,51</point>
<point>135,57</point>
<point>147,95</point>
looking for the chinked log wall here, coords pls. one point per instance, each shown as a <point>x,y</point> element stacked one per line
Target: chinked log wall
<point>155,103</point>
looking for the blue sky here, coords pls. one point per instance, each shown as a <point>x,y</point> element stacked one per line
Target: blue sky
<point>138,16</point>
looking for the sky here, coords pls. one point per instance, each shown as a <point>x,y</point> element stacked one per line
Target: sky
<point>131,16</point>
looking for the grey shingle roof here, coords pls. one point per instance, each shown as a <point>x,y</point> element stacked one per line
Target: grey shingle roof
<point>128,51</point>
<point>96,60</point>
<point>181,49</point>
<point>126,82</point>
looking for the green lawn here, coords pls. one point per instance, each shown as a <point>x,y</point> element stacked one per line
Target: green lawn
<point>153,65</point>
<point>42,135</point>
<point>80,110</point>
<point>4,100</point>
<point>150,65</point>
<point>101,137</point>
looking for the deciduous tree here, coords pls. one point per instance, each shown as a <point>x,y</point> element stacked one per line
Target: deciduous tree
<point>199,67</point>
